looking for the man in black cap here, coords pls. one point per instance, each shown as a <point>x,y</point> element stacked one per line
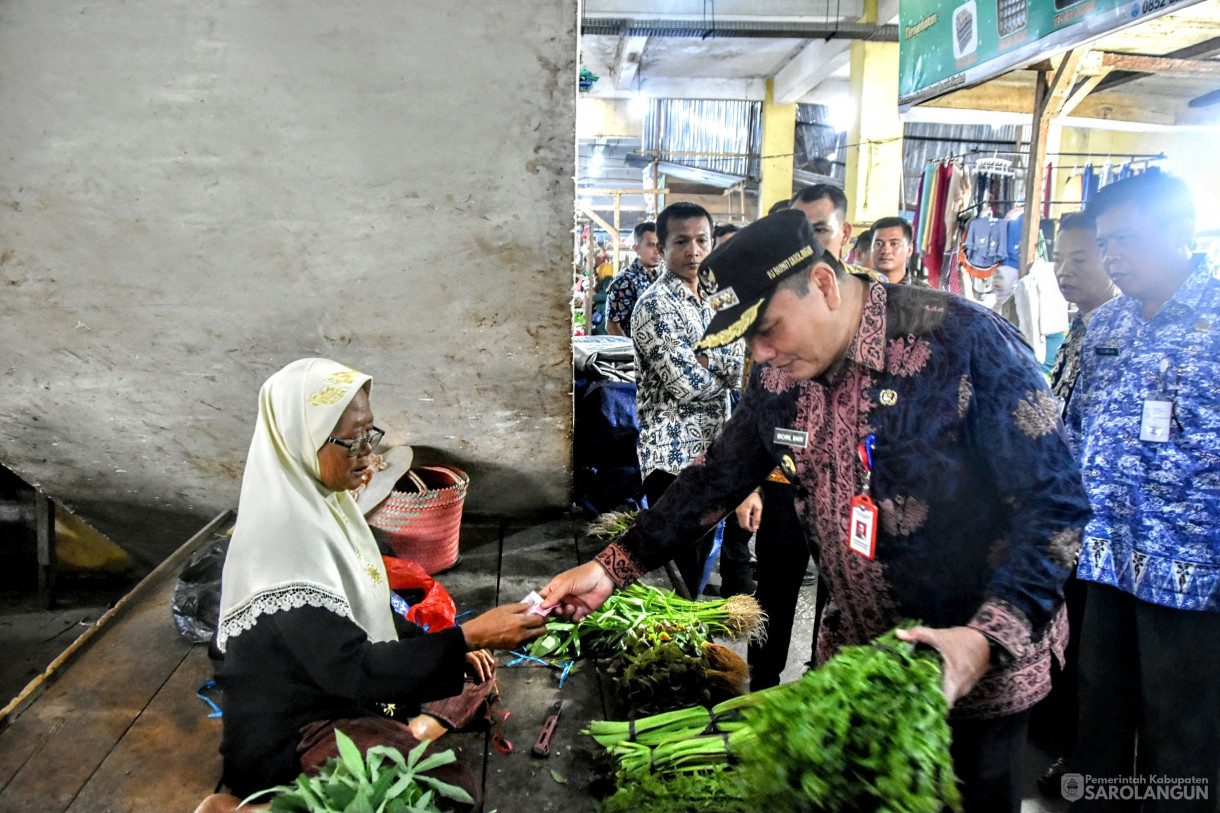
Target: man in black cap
<point>931,469</point>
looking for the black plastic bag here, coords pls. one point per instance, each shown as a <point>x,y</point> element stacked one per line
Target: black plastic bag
<point>196,602</point>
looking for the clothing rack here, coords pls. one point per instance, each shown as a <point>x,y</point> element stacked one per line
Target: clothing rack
<point>1132,156</point>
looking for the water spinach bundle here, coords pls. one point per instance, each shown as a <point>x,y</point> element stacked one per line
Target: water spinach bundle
<point>603,633</point>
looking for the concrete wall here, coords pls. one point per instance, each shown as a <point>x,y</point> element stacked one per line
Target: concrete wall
<point>195,192</point>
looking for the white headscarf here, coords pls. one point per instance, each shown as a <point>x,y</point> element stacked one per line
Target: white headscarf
<point>296,542</point>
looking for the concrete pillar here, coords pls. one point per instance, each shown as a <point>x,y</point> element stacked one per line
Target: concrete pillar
<point>874,151</point>
<point>778,143</point>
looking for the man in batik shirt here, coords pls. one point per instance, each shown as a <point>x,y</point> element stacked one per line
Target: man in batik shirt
<point>1083,282</point>
<point>980,502</point>
<point>1147,407</point>
<point>625,289</point>
<point>682,395</point>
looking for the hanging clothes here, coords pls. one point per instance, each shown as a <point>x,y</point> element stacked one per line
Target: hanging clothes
<point>934,257</point>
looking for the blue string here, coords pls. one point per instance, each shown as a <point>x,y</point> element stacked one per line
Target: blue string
<point>564,667</point>
<point>211,684</point>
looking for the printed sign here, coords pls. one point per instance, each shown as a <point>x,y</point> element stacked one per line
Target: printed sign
<point>948,44</point>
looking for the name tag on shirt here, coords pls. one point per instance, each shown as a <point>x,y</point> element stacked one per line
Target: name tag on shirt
<point>1154,426</point>
<point>1106,351</point>
<point>792,437</point>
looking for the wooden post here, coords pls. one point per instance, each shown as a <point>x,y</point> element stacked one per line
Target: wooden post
<point>1049,100</point>
<point>1033,176</point>
<point>44,523</point>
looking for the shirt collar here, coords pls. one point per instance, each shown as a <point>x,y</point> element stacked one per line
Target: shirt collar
<point>1189,294</point>
<point>867,347</point>
<point>675,284</point>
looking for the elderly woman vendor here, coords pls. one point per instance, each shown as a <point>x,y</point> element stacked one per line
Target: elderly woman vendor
<point>307,633</point>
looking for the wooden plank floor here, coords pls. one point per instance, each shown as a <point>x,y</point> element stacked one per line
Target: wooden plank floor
<point>136,675</point>
<point>120,728</point>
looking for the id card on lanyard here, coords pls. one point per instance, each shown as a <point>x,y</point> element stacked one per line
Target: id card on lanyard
<point>862,527</point>
<point>1158,412</point>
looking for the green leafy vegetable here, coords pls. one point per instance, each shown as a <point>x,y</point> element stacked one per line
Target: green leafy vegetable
<point>381,782</point>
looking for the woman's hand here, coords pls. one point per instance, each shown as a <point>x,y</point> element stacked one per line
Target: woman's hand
<point>749,513</point>
<point>579,591</point>
<point>504,627</point>
<point>481,665</point>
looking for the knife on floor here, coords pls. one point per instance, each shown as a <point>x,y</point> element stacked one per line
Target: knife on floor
<point>542,748</point>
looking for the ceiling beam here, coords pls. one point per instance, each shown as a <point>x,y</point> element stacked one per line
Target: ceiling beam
<point>818,60</point>
<point>1093,69</point>
<point>777,28</point>
<point>627,60</point>
<point>677,87</point>
<point>1013,97</point>
<point>801,10</point>
<point>1161,64</point>
<point>1200,50</point>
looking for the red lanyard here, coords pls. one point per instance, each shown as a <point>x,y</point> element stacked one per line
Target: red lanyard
<point>862,512</point>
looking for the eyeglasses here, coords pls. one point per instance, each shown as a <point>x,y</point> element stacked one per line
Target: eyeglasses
<point>359,446</point>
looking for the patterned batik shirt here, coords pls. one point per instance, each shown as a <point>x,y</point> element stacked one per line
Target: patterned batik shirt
<point>681,406</point>
<point>625,290</point>
<point>1154,532</point>
<point>981,503</point>
<point>1067,362</point>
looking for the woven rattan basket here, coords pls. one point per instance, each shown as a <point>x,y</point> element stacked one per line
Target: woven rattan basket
<point>421,518</point>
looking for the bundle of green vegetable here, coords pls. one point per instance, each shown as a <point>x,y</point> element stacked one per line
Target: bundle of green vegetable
<point>867,731</point>
<point>714,790</point>
<point>664,666</point>
<point>603,632</point>
<point>386,783</point>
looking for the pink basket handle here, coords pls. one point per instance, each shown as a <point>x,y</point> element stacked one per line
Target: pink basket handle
<point>456,477</point>
<point>420,484</point>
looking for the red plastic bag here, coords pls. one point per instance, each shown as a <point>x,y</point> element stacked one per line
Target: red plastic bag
<point>436,611</point>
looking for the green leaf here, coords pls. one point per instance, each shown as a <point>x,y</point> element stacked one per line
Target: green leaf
<point>290,803</point>
<point>277,789</point>
<point>393,754</point>
<point>360,803</point>
<point>416,753</point>
<point>349,754</point>
<point>445,789</point>
<point>558,777</point>
<point>434,761</point>
<point>378,792</point>
<point>340,793</point>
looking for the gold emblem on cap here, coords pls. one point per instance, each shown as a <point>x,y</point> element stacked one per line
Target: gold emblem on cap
<point>788,466</point>
<point>888,398</point>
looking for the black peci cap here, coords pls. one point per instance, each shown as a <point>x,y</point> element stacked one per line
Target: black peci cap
<point>746,269</point>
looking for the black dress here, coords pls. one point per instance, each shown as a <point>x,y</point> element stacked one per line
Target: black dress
<point>298,666</point>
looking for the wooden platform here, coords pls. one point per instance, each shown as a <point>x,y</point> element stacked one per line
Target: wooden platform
<point>116,725</point>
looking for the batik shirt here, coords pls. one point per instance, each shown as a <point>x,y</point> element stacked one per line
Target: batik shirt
<point>625,290</point>
<point>1154,533</point>
<point>981,503</point>
<point>1067,362</point>
<point>681,406</point>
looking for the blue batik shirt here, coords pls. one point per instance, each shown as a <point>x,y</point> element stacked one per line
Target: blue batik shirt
<point>625,290</point>
<point>1154,531</point>
<point>681,405</point>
